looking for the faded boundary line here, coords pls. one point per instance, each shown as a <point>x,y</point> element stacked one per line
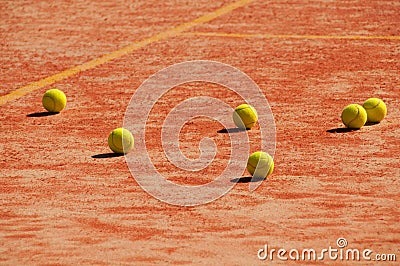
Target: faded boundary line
<point>289,36</point>
<point>121,52</point>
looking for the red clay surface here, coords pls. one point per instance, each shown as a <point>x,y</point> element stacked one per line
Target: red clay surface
<point>64,202</point>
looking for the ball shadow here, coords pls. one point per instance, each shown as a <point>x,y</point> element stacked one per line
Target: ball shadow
<point>232,130</point>
<point>341,130</point>
<point>368,124</point>
<point>107,155</point>
<point>247,179</point>
<point>41,114</point>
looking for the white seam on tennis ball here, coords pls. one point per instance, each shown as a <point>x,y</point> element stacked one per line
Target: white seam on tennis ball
<point>247,107</point>
<point>54,104</point>
<point>240,109</point>
<point>252,166</point>
<point>257,164</point>
<point>130,141</point>
<point>379,102</point>
<point>112,141</point>
<point>250,123</point>
<point>358,112</point>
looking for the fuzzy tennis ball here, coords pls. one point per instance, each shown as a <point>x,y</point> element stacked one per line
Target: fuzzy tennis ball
<point>54,100</point>
<point>376,110</point>
<point>245,116</point>
<point>120,140</point>
<point>260,164</point>
<point>354,116</point>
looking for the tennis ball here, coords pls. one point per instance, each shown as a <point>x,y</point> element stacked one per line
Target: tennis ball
<point>245,116</point>
<point>354,116</point>
<point>260,164</point>
<point>54,100</point>
<point>376,110</point>
<point>120,140</point>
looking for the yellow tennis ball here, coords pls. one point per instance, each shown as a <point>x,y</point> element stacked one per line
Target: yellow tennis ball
<point>376,110</point>
<point>120,140</point>
<point>245,116</point>
<point>260,164</point>
<point>54,100</point>
<point>354,116</point>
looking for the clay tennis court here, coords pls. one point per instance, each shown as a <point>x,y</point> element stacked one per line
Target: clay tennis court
<point>65,200</point>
